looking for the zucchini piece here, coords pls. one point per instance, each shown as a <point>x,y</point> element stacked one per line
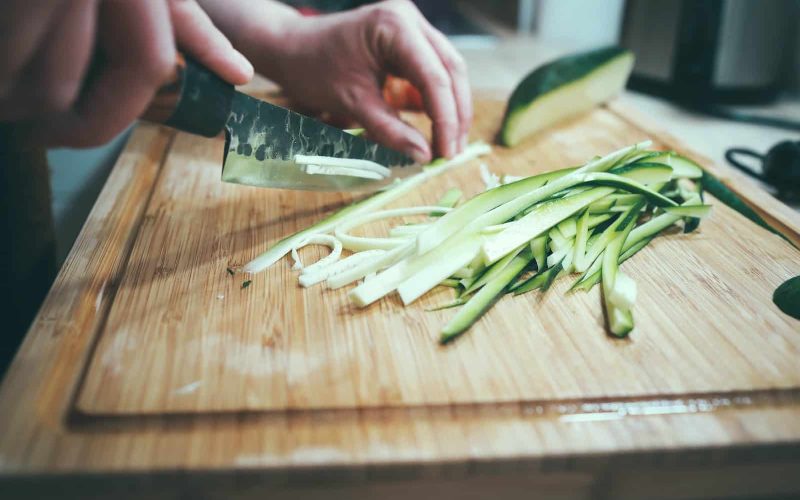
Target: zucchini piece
<point>547,214</point>
<point>617,297</point>
<point>450,283</point>
<point>417,274</point>
<point>631,186</point>
<point>603,206</point>
<point>693,211</point>
<point>495,270</point>
<point>541,219</point>
<point>460,301</point>
<point>682,167</point>
<point>482,301</point>
<point>388,259</point>
<point>639,237</point>
<point>539,249</point>
<point>787,297</point>
<point>597,219</point>
<point>541,280</point>
<point>479,205</point>
<point>448,200</point>
<point>653,173</point>
<point>721,192</point>
<point>588,282</point>
<point>564,88</point>
<point>581,238</point>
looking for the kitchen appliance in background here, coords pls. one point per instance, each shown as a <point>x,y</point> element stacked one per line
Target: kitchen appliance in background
<point>712,51</point>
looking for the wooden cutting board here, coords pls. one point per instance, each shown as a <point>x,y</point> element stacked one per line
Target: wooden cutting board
<point>149,362</point>
<point>182,336</point>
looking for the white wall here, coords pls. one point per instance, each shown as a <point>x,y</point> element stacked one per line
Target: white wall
<point>582,23</point>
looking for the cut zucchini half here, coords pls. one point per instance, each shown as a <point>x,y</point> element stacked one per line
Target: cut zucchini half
<point>564,88</point>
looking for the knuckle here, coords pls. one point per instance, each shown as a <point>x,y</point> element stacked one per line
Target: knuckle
<point>457,64</point>
<point>438,81</point>
<point>385,16</point>
<point>446,122</point>
<point>57,97</point>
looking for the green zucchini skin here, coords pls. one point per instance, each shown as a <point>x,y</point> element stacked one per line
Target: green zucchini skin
<point>787,297</point>
<point>553,76</point>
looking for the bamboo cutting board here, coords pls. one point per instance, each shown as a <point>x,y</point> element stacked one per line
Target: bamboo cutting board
<point>181,336</point>
<point>149,372</point>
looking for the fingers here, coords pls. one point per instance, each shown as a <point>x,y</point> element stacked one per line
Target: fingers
<point>404,48</point>
<point>23,27</point>
<point>50,80</point>
<point>457,69</point>
<point>139,54</point>
<point>53,81</point>
<point>197,36</point>
<point>387,128</point>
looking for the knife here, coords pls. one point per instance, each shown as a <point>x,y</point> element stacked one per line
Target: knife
<point>262,139</point>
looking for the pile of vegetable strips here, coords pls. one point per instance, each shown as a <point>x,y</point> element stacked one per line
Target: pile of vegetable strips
<point>513,238</point>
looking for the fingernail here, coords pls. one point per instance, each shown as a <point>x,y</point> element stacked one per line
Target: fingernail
<point>420,155</point>
<point>452,148</point>
<point>463,142</point>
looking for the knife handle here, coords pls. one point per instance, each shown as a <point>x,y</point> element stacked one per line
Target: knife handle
<point>193,100</point>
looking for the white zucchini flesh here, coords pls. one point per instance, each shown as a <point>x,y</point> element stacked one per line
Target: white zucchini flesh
<point>682,167</point>
<point>407,230</point>
<point>491,272</point>
<point>349,172</point>
<point>539,250</point>
<point>308,279</point>
<point>318,239</point>
<point>388,259</point>
<point>416,285</point>
<point>490,180</point>
<point>623,294</point>
<point>349,163</point>
<point>581,238</point>
<point>359,243</point>
<point>449,257</point>
<point>697,211</point>
<point>620,319</point>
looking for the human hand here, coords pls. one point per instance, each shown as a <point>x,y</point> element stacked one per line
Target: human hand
<point>78,72</point>
<point>337,63</point>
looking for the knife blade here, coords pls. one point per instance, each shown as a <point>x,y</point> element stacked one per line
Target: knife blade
<point>262,139</point>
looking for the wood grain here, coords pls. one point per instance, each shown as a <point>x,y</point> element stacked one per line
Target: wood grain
<point>65,434</point>
<point>183,336</point>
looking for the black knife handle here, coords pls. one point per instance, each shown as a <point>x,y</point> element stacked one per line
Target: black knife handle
<point>193,100</point>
